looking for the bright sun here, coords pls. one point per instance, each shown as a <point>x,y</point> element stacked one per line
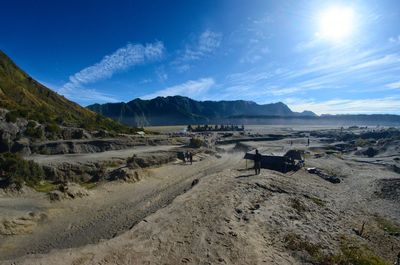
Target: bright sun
<point>336,23</point>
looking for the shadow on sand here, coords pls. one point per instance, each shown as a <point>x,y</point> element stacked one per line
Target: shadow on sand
<point>245,176</point>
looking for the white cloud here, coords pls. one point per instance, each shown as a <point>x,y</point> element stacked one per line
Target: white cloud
<point>161,74</point>
<point>204,46</point>
<point>120,60</point>
<point>394,85</point>
<point>87,96</point>
<point>192,89</point>
<point>145,81</point>
<point>395,40</point>
<point>347,106</point>
<point>284,91</point>
<point>254,53</point>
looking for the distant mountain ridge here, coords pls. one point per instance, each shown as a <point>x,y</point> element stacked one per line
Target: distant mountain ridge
<point>174,110</point>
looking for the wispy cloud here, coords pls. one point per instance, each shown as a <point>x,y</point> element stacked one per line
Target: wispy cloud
<point>395,40</point>
<point>347,106</point>
<point>207,43</point>
<point>394,85</point>
<point>204,45</point>
<point>193,88</point>
<point>254,53</point>
<point>118,61</point>
<point>161,74</point>
<point>339,68</point>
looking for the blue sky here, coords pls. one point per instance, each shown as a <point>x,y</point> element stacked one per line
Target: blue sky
<point>264,51</point>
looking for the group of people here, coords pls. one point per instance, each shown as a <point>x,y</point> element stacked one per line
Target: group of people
<point>188,157</point>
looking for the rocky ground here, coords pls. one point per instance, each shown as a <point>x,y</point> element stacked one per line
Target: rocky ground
<point>217,212</point>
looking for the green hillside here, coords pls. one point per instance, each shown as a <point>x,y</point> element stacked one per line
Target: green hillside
<point>27,98</point>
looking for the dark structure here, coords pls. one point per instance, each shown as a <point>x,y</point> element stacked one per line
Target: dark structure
<point>215,128</point>
<point>292,160</point>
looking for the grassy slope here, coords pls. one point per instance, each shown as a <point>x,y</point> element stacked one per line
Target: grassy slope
<point>30,99</point>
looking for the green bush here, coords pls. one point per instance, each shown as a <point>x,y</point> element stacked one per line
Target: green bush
<point>361,142</point>
<point>11,116</point>
<point>52,128</point>
<point>16,170</point>
<point>33,130</point>
<point>196,143</point>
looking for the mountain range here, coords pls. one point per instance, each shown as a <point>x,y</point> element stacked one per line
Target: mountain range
<point>24,97</point>
<point>173,110</point>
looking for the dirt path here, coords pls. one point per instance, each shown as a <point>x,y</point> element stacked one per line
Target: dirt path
<point>112,209</point>
<point>96,157</point>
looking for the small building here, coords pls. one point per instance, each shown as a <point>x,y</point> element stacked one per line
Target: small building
<point>291,160</point>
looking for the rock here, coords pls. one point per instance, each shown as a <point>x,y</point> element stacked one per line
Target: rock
<point>56,195</point>
<point>68,191</point>
<point>21,225</point>
<point>74,190</point>
<point>8,134</point>
<point>195,182</point>
<point>370,152</point>
<point>21,146</point>
<point>239,211</point>
<point>125,174</point>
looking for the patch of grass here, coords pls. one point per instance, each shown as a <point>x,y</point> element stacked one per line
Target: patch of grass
<point>388,226</point>
<point>111,164</point>
<point>298,205</point>
<point>295,242</point>
<point>88,185</point>
<point>45,186</point>
<point>351,252</point>
<point>317,201</point>
<point>361,142</point>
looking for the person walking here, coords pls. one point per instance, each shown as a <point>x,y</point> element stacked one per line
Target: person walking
<point>257,162</point>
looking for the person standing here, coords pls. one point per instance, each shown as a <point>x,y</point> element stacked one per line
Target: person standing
<point>191,158</point>
<point>257,162</point>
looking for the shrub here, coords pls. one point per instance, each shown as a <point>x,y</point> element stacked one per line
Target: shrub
<point>52,128</point>
<point>11,116</point>
<point>33,130</point>
<point>16,170</point>
<point>361,142</point>
<point>196,143</point>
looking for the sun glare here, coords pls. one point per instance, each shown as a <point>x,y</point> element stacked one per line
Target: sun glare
<point>336,23</point>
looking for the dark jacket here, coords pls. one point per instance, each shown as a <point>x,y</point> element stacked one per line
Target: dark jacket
<point>257,158</point>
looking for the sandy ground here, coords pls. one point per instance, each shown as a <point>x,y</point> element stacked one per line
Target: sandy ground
<point>230,217</point>
<point>110,209</point>
<point>234,217</point>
